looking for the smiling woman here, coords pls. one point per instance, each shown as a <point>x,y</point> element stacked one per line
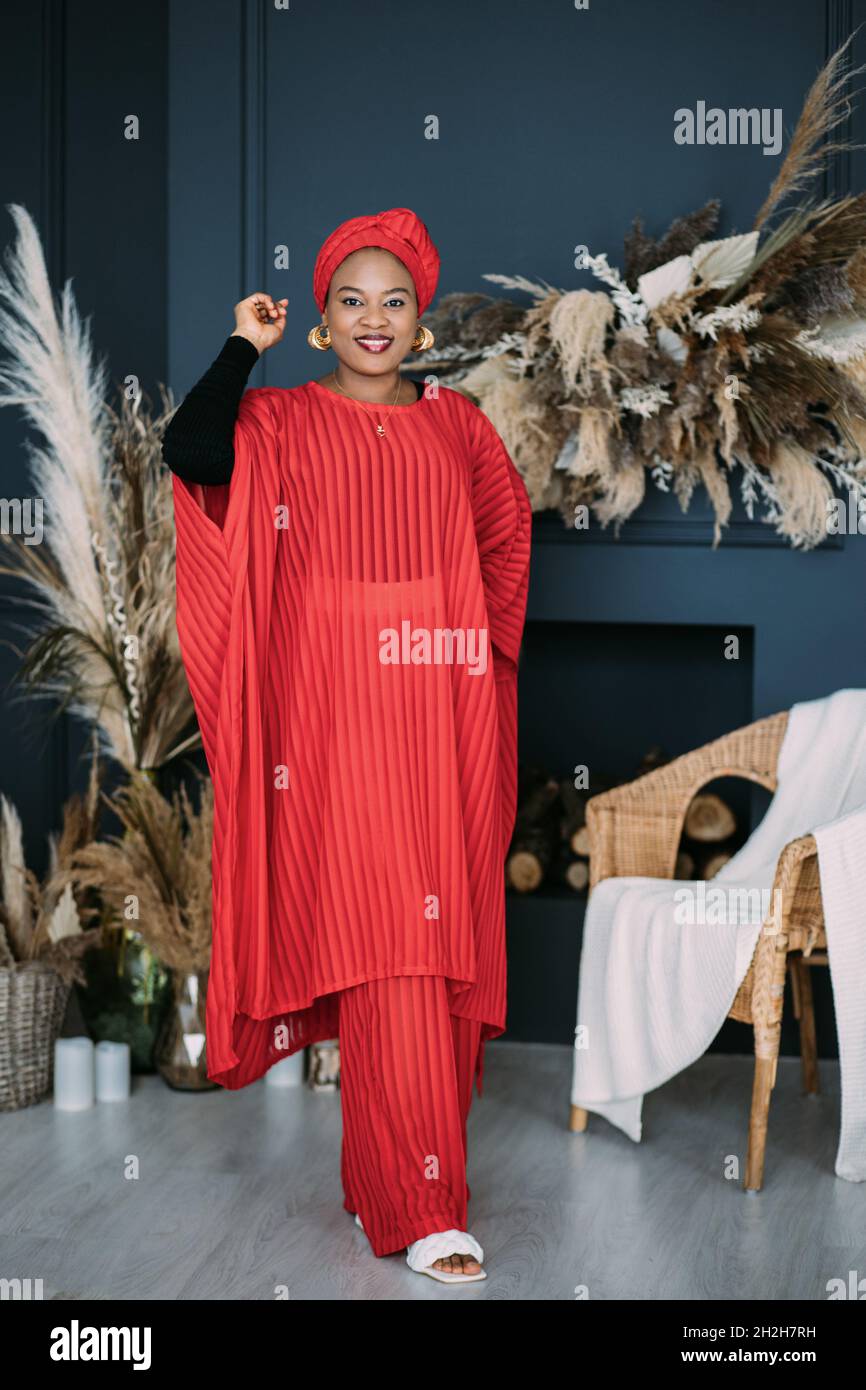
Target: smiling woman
<point>351,794</point>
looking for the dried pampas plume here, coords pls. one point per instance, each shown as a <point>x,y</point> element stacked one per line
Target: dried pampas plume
<point>164,862</point>
<point>18,911</point>
<point>716,484</point>
<point>624,491</point>
<point>102,578</point>
<point>593,446</point>
<point>826,107</point>
<point>508,403</point>
<point>578,329</point>
<point>43,921</point>
<point>803,492</point>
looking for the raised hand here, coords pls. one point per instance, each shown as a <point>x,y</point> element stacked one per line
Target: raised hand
<point>261,319</point>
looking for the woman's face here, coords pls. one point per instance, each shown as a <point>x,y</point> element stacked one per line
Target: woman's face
<point>371,297</point>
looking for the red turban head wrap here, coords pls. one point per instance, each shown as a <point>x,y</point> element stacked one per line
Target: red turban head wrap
<point>399,231</point>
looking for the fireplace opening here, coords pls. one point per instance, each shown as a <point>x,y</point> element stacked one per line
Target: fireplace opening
<point>614,699</point>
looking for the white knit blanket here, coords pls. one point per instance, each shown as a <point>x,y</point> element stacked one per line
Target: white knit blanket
<point>662,959</point>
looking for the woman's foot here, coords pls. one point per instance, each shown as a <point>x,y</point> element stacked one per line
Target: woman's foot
<point>449,1267</point>
<point>458,1264</point>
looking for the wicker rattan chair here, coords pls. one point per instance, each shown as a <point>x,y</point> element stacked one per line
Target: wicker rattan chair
<point>636,828</point>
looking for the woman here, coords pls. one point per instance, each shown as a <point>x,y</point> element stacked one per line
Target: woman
<point>352,569</point>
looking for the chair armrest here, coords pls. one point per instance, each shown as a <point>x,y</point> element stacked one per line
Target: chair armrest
<point>799,887</point>
<point>794,921</point>
<point>636,828</point>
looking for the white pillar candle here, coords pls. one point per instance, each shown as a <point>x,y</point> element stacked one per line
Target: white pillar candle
<point>288,1072</point>
<point>112,1071</point>
<point>73,1073</point>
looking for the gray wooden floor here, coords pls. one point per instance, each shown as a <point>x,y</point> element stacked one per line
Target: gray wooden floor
<point>239,1192</point>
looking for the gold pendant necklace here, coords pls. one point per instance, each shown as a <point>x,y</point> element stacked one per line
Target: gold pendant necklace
<point>380,428</point>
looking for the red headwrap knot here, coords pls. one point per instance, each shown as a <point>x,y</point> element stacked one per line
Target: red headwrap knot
<point>398,230</point>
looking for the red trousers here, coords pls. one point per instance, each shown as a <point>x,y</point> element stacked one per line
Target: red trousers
<point>406,1072</point>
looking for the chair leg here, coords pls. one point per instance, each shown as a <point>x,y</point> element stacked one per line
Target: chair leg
<point>768,993</point>
<point>577,1120</point>
<point>804,1008</point>
<point>762,1089</point>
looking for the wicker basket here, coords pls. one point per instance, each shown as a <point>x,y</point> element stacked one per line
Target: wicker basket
<point>33,1002</point>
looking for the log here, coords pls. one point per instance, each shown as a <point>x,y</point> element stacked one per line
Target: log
<point>539,806</point>
<point>685,865</point>
<point>574,802</point>
<point>568,871</point>
<point>536,835</point>
<point>573,807</point>
<point>709,819</point>
<point>715,861</point>
<point>579,841</point>
<point>530,777</point>
<point>577,875</point>
<point>525,869</point>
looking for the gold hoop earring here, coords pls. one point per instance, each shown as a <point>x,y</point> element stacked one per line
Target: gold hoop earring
<point>320,337</point>
<point>425,342</point>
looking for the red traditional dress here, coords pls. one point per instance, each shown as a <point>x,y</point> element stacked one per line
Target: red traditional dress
<point>363,805</point>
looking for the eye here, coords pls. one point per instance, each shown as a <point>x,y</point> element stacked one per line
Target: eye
<point>396,301</point>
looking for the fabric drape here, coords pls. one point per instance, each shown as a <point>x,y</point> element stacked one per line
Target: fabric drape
<point>362,809</point>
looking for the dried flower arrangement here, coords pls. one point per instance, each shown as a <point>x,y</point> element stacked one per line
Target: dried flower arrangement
<point>701,357</point>
<point>162,863</point>
<point>104,647</point>
<point>102,576</point>
<point>42,921</point>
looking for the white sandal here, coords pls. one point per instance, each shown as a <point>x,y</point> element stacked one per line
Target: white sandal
<point>422,1254</point>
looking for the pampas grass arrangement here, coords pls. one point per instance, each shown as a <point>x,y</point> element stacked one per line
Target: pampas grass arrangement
<point>701,358</point>
<point>42,921</point>
<point>101,583</point>
<point>102,579</point>
<point>155,879</point>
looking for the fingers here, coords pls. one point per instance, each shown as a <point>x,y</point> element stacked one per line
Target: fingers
<point>266,307</point>
<point>268,313</point>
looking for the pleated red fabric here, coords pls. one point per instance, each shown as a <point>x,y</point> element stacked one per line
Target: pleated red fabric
<point>363,808</point>
<point>406,1070</point>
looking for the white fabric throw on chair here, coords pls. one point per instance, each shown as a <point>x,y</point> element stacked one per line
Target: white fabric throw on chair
<point>655,988</point>
<point>842,869</point>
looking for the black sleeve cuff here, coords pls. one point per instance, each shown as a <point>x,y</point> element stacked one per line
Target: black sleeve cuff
<point>240,351</point>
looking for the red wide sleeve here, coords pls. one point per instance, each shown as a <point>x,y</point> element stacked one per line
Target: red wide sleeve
<point>503,531</point>
<point>225,535</point>
<point>225,564</point>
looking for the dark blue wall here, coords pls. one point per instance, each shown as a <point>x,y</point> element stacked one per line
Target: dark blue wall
<point>262,127</point>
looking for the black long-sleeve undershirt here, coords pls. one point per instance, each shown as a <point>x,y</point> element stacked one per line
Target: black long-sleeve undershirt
<point>198,444</point>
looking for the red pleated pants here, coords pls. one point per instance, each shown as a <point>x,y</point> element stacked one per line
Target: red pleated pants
<point>406,1072</point>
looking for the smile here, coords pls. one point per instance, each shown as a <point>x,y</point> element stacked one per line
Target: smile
<point>374,342</point>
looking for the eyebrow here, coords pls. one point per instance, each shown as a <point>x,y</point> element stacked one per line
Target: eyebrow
<point>401,288</point>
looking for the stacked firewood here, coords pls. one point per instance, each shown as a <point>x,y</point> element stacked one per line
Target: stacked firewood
<point>550,843</point>
<point>708,831</point>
